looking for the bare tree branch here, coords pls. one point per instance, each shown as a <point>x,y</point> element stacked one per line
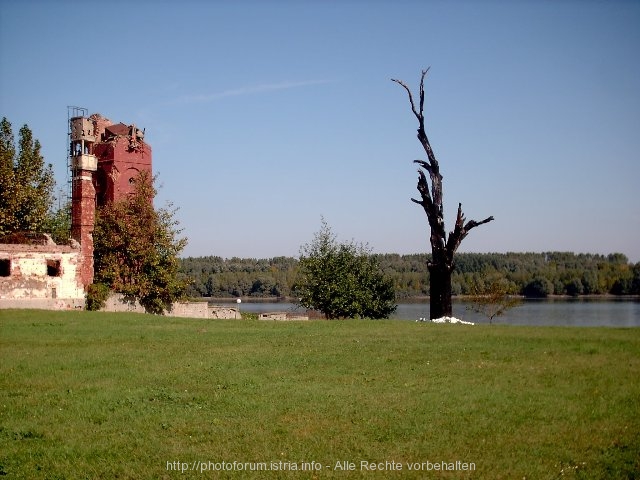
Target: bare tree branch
<point>423,164</point>
<point>461,230</point>
<point>423,188</point>
<point>472,223</point>
<point>424,73</point>
<point>413,105</point>
<point>418,113</point>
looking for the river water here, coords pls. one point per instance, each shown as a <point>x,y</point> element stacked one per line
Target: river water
<point>556,312</point>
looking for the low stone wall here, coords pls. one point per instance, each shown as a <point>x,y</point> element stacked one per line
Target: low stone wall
<point>190,310</point>
<point>282,316</point>
<point>43,303</point>
<point>116,303</point>
<point>223,311</point>
<point>203,310</point>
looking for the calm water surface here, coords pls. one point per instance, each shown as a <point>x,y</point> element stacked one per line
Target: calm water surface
<point>560,312</point>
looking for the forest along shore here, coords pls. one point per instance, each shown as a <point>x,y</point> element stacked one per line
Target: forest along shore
<point>537,275</point>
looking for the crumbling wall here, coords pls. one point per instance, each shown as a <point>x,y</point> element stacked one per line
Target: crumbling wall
<point>116,303</point>
<point>100,124</point>
<point>282,316</point>
<point>40,272</point>
<point>223,311</point>
<point>190,309</point>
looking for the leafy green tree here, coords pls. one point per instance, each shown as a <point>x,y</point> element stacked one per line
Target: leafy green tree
<point>590,282</point>
<point>136,249</point>
<point>635,282</point>
<point>26,184</point>
<point>265,285</point>
<point>538,288</point>
<point>342,280</point>
<point>574,287</point>
<point>58,223</point>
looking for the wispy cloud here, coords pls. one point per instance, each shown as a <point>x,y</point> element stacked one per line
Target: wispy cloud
<point>248,90</point>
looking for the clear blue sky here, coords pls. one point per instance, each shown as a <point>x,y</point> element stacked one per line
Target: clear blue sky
<point>265,116</point>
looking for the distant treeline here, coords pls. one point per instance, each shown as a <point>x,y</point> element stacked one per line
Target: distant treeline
<point>529,274</point>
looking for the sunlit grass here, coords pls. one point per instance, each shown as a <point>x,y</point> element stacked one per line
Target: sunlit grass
<point>98,395</point>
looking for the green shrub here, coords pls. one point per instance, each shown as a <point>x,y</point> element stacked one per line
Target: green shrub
<point>97,295</point>
<point>249,315</point>
<point>342,280</point>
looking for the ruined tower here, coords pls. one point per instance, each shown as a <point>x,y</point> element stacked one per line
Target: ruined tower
<point>105,159</point>
<point>122,154</point>
<point>83,195</point>
<point>34,271</point>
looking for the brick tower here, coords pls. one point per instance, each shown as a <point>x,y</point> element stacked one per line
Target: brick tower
<point>122,154</point>
<point>83,194</point>
<point>105,159</point>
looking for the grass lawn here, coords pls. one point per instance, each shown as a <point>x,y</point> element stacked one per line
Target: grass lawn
<point>107,395</point>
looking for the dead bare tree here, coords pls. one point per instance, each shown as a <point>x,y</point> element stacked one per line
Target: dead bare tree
<point>443,249</point>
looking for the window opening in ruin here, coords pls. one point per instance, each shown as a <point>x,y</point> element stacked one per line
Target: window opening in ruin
<point>54,293</point>
<point>5,267</point>
<point>53,268</point>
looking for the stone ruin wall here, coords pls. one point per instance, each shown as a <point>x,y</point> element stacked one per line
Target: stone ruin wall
<point>116,303</point>
<point>40,276</point>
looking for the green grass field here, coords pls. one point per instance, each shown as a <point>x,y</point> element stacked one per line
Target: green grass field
<point>103,395</point>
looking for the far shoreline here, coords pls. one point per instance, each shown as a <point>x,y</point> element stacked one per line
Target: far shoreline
<point>418,299</point>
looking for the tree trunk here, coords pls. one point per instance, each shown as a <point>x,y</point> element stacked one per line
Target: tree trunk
<point>443,248</point>
<point>440,291</point>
